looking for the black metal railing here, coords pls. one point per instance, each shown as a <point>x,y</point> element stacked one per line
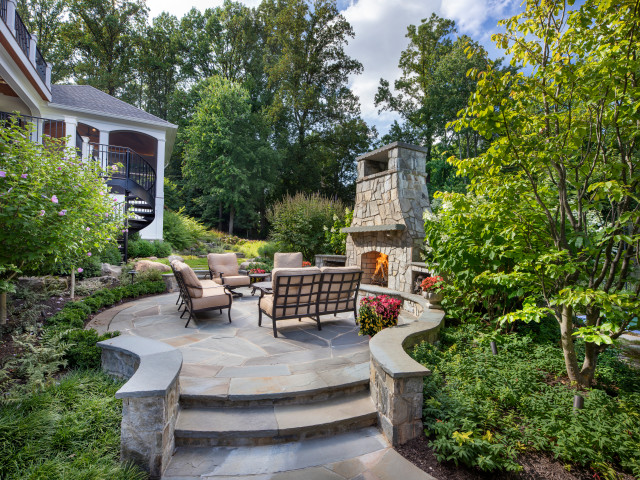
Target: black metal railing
<point>39,128</point>
<point>3,10</point>
<point>41,66</point>
<point>23,37</point>
<point>124,163</point>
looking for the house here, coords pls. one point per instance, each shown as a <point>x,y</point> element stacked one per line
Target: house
<point>132,143</point>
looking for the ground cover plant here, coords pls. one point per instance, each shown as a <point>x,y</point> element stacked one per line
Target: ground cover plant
<point>483,411</point>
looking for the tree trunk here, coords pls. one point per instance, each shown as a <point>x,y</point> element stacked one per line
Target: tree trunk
<point>568,348</point>
<point>220,216</point>
<point>232,212</point>
<point>3,308</point>
<point>72,290</point>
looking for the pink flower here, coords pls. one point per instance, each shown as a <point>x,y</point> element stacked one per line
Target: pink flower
<point>114,167</point>
<point>58,168</point>
<point>88,254</point>
<point>24,175</point>
<point>80,270</point>
<point>54,199</point>
<point>41,213</point>
<point>88,229</point>
<point>3,173</point>
<point>62,213</point>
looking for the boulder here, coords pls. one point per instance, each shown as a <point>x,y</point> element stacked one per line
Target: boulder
<point>175,257</point>
<point>111,270</point>
<point>146,265</point>
<point>39,284</point>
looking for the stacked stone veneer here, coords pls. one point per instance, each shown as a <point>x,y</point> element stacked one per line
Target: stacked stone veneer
<point>149,399</point>
<point>391,197</point>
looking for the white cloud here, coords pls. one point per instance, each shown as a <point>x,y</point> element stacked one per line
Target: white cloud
<point>471,15</point>
<point>156,7</point>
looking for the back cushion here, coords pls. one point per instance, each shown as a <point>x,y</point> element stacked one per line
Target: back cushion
<point>287,260</point>
<point>190,280</point>
<point>306,283</point>
<point>339,282</point>
<point>225,263</point>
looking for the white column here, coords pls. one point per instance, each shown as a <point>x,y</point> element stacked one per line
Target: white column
<point>85,149</point>
<point>104,137</point>
<point>11,16</point>
<point>71,124</point>
<point>102,151</point>
<point>48,75</point>
<point>32,49</point>
<point>160,188</point>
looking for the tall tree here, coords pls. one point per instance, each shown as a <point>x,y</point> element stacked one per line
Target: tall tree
<point>226,158</point>
<point>308,71</point>
<point>558,188</point>
<point>107,39</point>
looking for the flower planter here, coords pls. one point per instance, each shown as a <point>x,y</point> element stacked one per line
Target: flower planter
<point>434,298</point>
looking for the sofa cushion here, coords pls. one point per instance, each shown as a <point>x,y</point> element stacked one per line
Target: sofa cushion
<point>233,280</point>
<point>225,263</point>
<point>212,298</point>
<point>304,281</point>
<point>191,281</point>
<point>302,310</point>
<point>287,260</point>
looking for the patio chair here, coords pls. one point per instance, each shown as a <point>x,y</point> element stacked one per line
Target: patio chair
<point>339,290</point>
<point>205,284</point>
<point>295,295</point>
<point>287,260</point>
<point>198,298</point>
<point>224,270</point>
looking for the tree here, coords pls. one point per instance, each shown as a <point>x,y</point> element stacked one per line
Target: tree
<point>227,161</point>
<point>53,208</point>
<point>560,179</point>
<point>107,36</point>
<point>307,69</point>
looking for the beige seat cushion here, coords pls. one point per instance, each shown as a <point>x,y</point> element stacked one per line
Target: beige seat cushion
<point>191,281</point>
<point>225,263</point>
<point>210,284</point>
<point>287,260</point>
<point>212,298</point>
<point>303,310</point>
<point>337,282</point>
<point>233,280</point>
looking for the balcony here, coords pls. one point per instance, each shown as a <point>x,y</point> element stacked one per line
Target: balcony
<point>25,41</point>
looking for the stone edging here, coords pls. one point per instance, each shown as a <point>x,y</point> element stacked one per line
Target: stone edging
<point>396,380</point>
<point>149,398</point>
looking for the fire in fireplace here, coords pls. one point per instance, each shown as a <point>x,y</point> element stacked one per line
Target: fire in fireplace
<point>381,274</point>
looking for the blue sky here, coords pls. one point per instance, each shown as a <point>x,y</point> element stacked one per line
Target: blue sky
<point>380,27</point>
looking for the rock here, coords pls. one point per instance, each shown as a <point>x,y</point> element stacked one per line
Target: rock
<point>239,254</point>
<point>175,257</point>
<point>41,283</point>
<point>146,265</point>
<point>152,258</point>
<point>111,270</point>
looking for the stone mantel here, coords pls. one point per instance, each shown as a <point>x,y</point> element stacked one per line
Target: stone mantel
<point>387,227</point>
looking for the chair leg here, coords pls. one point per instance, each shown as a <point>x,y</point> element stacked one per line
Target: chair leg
<point>228,313</point>
<point>259,317</point>
<point>179,298</point>
<point>190,314</point>
<point>185,311</point>
<point>318,322</point>
<point>275,332</point>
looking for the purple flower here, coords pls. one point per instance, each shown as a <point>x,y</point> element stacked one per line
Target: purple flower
<point>58,168</point>
<point>62,212</point>
<point>41,213</point>
<point>3,173</point>
<point>80,270</point>
<point>24,175</point>
<point>88,229</point>
<point>88,254</point>
<point>54,199</point>
<point>114,167</point>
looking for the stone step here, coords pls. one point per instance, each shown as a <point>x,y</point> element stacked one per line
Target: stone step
<point>241,389</point>
<point>264,425</point>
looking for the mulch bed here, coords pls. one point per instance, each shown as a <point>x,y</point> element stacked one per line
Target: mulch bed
<point>536,466</point>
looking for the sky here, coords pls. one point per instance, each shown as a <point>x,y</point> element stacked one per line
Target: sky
<point>380,27</point>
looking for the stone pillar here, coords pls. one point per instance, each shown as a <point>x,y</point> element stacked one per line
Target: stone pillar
<point>11,16</point>
<point>32,49</point>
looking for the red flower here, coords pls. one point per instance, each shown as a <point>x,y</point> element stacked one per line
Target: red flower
<point>432,284</point>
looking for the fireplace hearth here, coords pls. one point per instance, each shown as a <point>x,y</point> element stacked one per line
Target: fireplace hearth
<point>386,235</point>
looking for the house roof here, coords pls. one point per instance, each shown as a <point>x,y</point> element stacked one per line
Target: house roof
<point>86,97</point>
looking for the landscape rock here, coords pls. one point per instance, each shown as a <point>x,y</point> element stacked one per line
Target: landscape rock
<point>171,258</point>
<point>146,265</point>
<point>111,270</point>
<point>41,283</point>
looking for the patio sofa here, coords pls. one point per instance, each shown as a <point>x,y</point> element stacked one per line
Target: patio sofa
<point>287,260</point>
<point>310,292</point>
<point>224,270</point>
<point>199,296</point>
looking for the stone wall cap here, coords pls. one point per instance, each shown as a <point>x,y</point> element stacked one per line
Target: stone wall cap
<point>386,227</point>
<point>380,153</point>
<point>159,367</point>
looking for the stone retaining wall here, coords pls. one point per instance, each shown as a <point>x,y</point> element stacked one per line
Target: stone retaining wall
<point>396,380</point>
<point>149,398</point>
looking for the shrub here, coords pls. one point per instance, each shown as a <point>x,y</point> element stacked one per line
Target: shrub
<point>146,248</point>
<point>299,222</point>
<point>378,313</point>
<point>82,351</point>
<point>181,230</point>
<point>111,255</point>
<point>268,250</point>
<point>334,237</point>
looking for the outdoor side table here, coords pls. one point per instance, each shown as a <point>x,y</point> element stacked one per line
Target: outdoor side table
<point>266,287</point>
<point>259,277</point>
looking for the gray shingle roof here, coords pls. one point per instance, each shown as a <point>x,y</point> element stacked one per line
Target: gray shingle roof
<point>90,98</point>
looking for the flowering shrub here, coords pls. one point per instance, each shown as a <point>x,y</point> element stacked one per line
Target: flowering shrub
<point>377,313</point>
<point>432,284</point>
<point>306,264</point>
<point>257,270</point>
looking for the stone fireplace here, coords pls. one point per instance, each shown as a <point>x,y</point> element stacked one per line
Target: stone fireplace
<point>391,197</point>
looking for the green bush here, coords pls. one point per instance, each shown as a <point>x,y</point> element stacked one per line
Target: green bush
<point>334,237</point>
<point>483,410</point>
<point>269,249</point>
<point>146,248</point>
<point>82,351</point>
<point>111,255</point>
<point>298,223</point>
<point>181,230</point>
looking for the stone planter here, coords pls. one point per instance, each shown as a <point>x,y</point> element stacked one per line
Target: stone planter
<point>434,298</point>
